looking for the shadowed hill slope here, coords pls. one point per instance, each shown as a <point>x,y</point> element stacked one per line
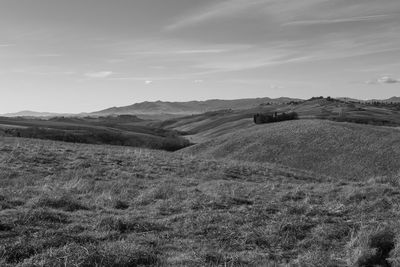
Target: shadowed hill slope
<point>209,125</point>
<point>125,130</point>
<point>343,150</point>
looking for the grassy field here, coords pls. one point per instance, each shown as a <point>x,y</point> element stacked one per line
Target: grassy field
<point>342,150</point>
<point>68,204</point>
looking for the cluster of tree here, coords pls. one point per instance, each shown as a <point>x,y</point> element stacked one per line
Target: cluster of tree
<point>169,143</point>
<point>98,120</point>
<point>383,104</point>
<point>316,98</point>
<point>270,118</point>
<point>295,102</point>
<point>330,99</point>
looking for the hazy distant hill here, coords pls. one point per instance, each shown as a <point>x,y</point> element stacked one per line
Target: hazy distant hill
<point>28,113</point>
<point>191,107</point>
<point>162,110</point>
<point>349,99</point>
<point>393,99</point>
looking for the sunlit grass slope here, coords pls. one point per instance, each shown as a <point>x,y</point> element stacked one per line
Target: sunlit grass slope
<point>342,150</point>
<point>84,205</point>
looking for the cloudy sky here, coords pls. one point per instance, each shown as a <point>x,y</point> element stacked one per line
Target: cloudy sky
<point>85,55</point>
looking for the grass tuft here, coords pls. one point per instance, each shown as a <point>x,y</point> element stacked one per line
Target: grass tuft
<point>63,202</point>
<point>126,225</point>
<point>120,205</point>
<point>113,254</point>
<point>5,227</point>
<point>372,247</point>
<point>38,216</point>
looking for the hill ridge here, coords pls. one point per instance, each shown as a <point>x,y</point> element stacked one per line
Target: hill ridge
<point>181,107</point>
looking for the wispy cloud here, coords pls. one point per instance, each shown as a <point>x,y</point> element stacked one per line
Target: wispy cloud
<point>338,20</point>
<point>388,79</point>
<point>147,79</point>
<point>224,66</point>
<point>226,8</point>
<point>270,9</point>
<point>180,52</point>
<point>99,74</point>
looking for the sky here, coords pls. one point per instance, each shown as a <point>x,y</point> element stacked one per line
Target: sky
<point>85,55</point>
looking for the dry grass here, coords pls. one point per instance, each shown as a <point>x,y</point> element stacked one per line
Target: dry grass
<point>85,205</point>
<point>341,150</point>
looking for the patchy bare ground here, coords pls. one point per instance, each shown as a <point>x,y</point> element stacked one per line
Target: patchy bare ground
<point>85,205</point>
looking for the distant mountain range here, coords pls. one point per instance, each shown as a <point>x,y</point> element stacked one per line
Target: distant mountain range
<point>29,113</point>
<point>393,99</point>
<point>181,108</point>
<point>191,107</point>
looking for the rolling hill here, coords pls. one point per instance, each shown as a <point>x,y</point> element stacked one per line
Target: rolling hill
<point>164,110</point>
<point>161,110</point>
<point>344,150</point>
<point>137,131</point>
<point>203,127</point>
<point>297,193</point>
<point>191,107</point>
<point>126,130</point>
<point>393,99</point>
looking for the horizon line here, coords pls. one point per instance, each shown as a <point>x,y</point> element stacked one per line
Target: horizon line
<point>211,99</point>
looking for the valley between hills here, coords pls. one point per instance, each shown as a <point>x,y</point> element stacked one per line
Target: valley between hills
<point>205,189</point>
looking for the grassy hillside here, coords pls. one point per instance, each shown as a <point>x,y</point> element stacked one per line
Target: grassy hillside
<point>204,126</point>
<point>342,150</point>
<point>84,205</point>
<point>209,125</point>
<point>125,130</point>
